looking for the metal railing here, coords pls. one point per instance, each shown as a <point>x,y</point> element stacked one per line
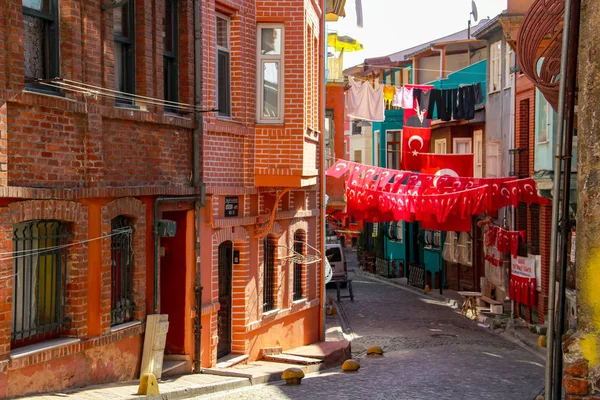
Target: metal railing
<point>416,275</point>
<point>40,266</point>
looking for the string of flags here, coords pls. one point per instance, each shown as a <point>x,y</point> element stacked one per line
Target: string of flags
<point>440,201</point>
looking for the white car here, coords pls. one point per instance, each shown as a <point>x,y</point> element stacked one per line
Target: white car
<point>337,260</point>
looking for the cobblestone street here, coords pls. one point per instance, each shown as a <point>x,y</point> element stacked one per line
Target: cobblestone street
<point>431,352</point>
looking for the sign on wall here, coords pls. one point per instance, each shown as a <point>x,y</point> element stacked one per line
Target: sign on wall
<point>232,204</point>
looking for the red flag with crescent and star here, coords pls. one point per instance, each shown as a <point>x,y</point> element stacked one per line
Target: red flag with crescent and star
<point>414,141</point>
<point>456,165</point>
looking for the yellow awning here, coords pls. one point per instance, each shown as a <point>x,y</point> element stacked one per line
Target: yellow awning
<point>345,43</point>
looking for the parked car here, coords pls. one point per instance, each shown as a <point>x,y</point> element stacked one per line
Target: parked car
<point>335,255</point>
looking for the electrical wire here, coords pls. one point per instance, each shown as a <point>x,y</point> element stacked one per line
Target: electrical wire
<point>98,91</point>
<point>45,250</point>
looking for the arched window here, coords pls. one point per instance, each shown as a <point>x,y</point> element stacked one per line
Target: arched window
<point>299,249</point>
<point>269,273</point>
<point>121,286</point>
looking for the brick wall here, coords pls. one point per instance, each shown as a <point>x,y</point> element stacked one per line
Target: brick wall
<point>76,141</point>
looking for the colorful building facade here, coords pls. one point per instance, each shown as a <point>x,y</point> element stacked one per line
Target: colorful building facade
<point>163,172</point>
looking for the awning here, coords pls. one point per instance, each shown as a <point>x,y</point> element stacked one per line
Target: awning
<point>345,43</point>
<point>335,9</point>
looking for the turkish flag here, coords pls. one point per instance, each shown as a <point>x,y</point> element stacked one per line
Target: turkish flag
<point>414,140</point>
<point>443,164</point>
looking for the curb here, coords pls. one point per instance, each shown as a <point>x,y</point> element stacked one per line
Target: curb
<point>202,390</point>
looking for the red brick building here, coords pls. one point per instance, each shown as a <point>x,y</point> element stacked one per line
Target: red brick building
<point>97,168</point>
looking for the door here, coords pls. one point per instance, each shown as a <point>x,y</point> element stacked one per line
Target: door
<point>224,316</point>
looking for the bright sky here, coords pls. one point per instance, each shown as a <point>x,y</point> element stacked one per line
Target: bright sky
<point>394,25</point>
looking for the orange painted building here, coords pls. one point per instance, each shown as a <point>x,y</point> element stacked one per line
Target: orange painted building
<point>164,172</point>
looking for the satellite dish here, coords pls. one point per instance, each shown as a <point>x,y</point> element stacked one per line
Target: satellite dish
<point>474,10</point>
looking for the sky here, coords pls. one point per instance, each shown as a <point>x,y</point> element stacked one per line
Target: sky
<point>390,26</point>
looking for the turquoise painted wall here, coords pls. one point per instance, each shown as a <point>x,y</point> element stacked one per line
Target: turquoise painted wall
<point>474,73</point>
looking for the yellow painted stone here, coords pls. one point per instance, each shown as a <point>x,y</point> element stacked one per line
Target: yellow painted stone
<point>542,341</point>
<point>426,290</point>
<point>375,350</point>
<point>148,385</point>
<point>350,365</point>
<point>293,376</point>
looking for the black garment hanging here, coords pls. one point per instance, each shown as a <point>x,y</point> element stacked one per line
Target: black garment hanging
<point>478,93</point>
<point>437,98</point>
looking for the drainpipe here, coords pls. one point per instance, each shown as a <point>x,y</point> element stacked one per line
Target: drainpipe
<point>549,387</point>
<point>196,177</point>
<point>322,168</point>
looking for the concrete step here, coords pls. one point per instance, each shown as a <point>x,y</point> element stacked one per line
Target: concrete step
<point>332,353</point>
<point>175,367</point>
<point>291,359</point>
<point>231,360</point>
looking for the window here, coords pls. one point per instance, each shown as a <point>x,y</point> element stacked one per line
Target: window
<point>394,147</point>
<point>544,119</point>
<point>478,156</point>
<point>269,245</point>
<point>495,66</point>
<point>330,155</point>
<point>462,145</point>
<point>170,52</point>
<point>121,255</point>
<point>223,67</point>
<point>440,146</point>
<point>299,250</point>
<point>38,306</point>
<point>492,160</point>
<point>509,63</point>
<point>40,23</point>
<point>358,156</point>
<point>356,128</point>
<point>270,66</point>
<point>432,239</point>
<point>124,32</point>
<point>395,231</point>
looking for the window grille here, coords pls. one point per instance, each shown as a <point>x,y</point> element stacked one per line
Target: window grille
<point>40,264</point>
<point>121,297</point>
<point>299,248</point>
<point>269,274</point>
<point>170,54</point>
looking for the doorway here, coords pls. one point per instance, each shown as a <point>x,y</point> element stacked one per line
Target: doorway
<point>224,316</point>
<point>173,267</point>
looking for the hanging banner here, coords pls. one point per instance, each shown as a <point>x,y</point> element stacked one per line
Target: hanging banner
<point>523,266</point>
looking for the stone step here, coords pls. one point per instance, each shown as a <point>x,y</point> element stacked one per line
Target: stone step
<point>291,359</point>
<point>231,360</point>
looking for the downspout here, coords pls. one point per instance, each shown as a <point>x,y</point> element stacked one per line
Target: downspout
<point>323,50</point>
<point>549,387</point>
<point>197,178</point>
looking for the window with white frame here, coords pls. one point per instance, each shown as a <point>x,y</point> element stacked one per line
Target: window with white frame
<point>223,67</point>
<point>394,147</point>
<point>440,146</point>
<point>270,68</point>
<point>544,120</point>
<point>495,66</point>
<point>492,160</point>
<point>478,154</point>
<point>462,145</point>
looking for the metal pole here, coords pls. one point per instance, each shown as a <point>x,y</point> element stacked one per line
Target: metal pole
<point>323,51</point>
<point>556,203</point>
<point>571,77</point>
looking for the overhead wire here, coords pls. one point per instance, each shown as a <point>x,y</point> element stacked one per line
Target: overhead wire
<point>99,91</point>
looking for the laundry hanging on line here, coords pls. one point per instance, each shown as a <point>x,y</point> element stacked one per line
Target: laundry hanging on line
<point>364,101</point>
